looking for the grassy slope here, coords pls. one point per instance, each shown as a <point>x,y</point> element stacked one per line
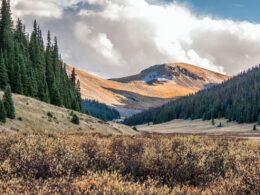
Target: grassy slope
<point>33,114</point>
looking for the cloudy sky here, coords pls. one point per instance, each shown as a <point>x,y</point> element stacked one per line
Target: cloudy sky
<point>115,38</point>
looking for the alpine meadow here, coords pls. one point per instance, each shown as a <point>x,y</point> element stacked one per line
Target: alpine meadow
<point>129,97</point>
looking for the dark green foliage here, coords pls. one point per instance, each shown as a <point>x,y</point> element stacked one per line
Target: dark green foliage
<point>237,99</point>
<point>50,114</point>
<point>254,128</point>
<point>75,119</point>
<point>135,129</point>
<point>258,121</point>
<point>32,69</point>
<point>2,112</point>
<point>213,122</point>
<point>8,103</point>
<point>99,110</point>
<point>3,72</point>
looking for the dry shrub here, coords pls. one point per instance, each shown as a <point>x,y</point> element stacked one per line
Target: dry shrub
<point>149,164</point>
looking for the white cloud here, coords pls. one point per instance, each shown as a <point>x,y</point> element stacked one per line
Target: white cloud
<point>46,8</point>
<point>99,42</point>
<point>121,37</point>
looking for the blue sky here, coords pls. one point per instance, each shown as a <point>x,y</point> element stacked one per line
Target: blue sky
<point>248,10</point>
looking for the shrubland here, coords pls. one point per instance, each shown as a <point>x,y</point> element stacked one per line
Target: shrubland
<point>57,163</point>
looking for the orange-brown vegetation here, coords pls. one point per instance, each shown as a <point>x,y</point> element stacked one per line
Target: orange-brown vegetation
<point>141,164</point>
<point>117,92</point>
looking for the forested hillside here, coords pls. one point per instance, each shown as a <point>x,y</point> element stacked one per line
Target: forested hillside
<point>99,110</point>
<point>31,68</point>
<point>237,100</point>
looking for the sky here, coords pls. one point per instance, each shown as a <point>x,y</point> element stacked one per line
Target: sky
<point>115,38</point>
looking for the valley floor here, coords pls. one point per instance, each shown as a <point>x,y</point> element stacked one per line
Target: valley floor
<point>229,129</point>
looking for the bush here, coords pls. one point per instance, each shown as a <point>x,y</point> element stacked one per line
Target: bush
<point>75,119</point>
<point>142,164</point>
<point>50,114</point>
<point>220,125</point>
<point>135,129</point>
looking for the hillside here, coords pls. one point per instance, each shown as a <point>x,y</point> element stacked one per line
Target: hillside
<point>237,99</point>
<point>31,116</point>
<point>152,87</point>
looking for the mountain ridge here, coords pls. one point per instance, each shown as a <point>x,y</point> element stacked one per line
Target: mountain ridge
<point>152,87</point>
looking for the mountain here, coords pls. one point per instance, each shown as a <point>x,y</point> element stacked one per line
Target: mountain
<point>237,99</point>
<point>32,116</point>
<point>152,87</point>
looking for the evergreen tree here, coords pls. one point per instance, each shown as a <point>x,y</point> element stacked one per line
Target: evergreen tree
<point>32,69</point>
<point>213,122</point>
<point>5,26</point>
<point>258,121</point>
<point>2,112</point>
<point>73,77</point>
<point>237,99</point>
<point>3,73</point>
<point>99,110</point>
<point>8,103</point>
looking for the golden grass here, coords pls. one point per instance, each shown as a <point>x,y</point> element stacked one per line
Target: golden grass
<point>82,163</point>
<point>33,115</point>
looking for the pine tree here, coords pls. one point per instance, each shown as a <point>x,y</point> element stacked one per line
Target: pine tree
<point>73,77</point>
<point>55,99</point>
<point>8,103</point>
<point>78,94</point>
<point>258,120</point>
<point>30,68</point>
<point>213,122</point>
<point>3,73</point>
<point>2,112</point>
<point>5,26</point>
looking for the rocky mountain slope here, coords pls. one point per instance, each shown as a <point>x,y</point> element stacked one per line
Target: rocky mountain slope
<point>32,116</point>
<point>150,88</point>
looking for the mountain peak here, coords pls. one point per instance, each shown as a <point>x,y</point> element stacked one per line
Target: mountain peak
<point>174,72</point>
<point>152,87</point>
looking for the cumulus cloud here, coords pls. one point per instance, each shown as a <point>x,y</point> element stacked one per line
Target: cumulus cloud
<point>46,8</point>
<point>121,37</point>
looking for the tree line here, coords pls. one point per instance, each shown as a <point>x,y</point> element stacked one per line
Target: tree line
<point>99,110</point>
<point>30,68</point>
<point>237,99</point>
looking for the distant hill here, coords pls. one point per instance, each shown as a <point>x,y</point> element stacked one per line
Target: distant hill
<point>237,99</point>
<point>99,110</point>
<point>152,87</point>
<point>32,116</point>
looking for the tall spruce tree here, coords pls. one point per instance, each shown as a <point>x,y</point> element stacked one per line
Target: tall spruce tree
<point>3,72</point>
<point>2,112</point>
<point>5,26</point>
<point>32,69</point>
<point>8,103</point>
